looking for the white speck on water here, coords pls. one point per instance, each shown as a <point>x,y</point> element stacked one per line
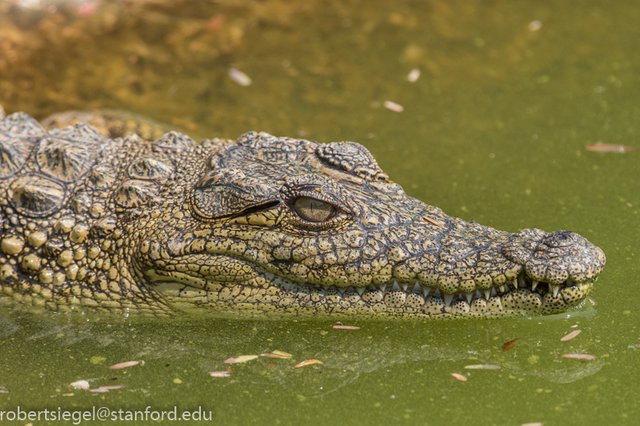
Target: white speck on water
<point>413,75</point>
<point>239,77</point>
<point>392,106</point>
<point>80,385</point>
<point>534,26</point>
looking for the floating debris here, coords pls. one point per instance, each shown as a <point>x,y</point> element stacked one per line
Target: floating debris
<point>482,367</point>
<point>510,344</point>
<point>459,377</point>
<point>239,77</point>
<point>125,364</point>
<point>307,362</point>
<point>80,385</point>
<point>611,148</point>
<point>534,26</point>
<point>223,373</point>
<point>106,388</point>
<point>277,355</point>
<point>240,359</point>
<point>341,326</point>
<point>585,357</point>
<point>413,75</point>
<point>570,336</point>
<point>392,106</point>
<point>532,424</point>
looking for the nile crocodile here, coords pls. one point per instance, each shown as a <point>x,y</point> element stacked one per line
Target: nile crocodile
<point>261,224</point>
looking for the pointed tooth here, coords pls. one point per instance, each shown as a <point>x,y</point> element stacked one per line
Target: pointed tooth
<point>426,291</point>
<point>493,292</point>
<point>341,292</point>
<point>469,297</point>
<point>534,284</point>
<point>555,289</point>
<point>404,286</point>
<point>360,290</point>
<point>503,288</point>
<point>437,294</point>
<point>395,286</point>
<point>417,288</point>
<point>383,287</point>
<point>448,298</point>
<point>487,294</point>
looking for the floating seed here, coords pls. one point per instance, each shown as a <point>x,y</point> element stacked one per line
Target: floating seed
<point>585,357</point>
<point>570,336</point>
<point>459,377</point>
<point>392,106</point>
<point>510,344</point>
<point>125,364</point>
<point>482,367</point>
<point>307,362</point>
<point>277,355</point>
<point>611,148</point>
<point>240,359</point>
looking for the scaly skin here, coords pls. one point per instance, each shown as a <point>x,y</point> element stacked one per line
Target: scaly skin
<point>264,224</point>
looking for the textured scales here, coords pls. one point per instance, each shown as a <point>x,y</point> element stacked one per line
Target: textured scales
<point>263,224</point>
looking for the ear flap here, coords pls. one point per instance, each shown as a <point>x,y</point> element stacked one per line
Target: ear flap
<point>229,192</point>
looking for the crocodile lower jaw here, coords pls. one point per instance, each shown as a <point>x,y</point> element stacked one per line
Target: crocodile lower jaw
<point>273,293</point>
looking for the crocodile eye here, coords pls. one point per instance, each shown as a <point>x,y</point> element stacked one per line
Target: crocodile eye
<point>313,210</point>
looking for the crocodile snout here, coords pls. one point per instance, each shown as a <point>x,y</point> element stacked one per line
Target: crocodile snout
<point>556,257</point>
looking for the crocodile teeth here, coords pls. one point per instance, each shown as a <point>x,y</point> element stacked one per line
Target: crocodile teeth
<point>534,284</point>
<point>383,287</point>
<point>555,289</point>
<point>487,294</point>
<point>360,290</point>
<point>503,288</point>
<point>417,288</point>
<point>404,287</point>
<point>469,297</point>
<point>448,298</point>
<point>395,286</point>
<point>426,291</point>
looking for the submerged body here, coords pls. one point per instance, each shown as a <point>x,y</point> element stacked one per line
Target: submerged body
<point>262,224</point>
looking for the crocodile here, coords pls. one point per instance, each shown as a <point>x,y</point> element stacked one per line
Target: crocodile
<point>100,221</point>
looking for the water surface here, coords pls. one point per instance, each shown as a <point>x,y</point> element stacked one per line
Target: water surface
<point>493,130</point>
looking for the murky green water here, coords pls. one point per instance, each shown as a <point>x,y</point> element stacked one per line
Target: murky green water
<point>494,130</point>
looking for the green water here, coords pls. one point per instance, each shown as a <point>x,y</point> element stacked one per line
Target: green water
<point>494,130</point>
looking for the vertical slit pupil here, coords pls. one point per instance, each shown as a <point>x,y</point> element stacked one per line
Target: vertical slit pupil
<point>313,210</point>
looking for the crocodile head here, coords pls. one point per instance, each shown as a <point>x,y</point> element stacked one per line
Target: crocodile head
<point>292,226</point>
